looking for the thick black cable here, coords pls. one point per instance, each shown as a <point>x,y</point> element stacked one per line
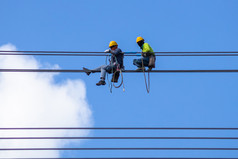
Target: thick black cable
<point>51,54</point>
<point>126,71</point>
<point>163,52</point>
<point>116,128</point>
<point>121,138</point>
<point>114,149</point>
<point>100,54</point>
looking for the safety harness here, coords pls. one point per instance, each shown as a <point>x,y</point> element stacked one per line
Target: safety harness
<point>118,69</point>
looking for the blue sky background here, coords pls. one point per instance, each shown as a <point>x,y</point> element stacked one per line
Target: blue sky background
<point>175,100</point>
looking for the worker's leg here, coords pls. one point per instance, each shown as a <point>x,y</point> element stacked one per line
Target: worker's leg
<point>103,74</point>
<point>146,61</point>
<point>88,71</point>
<point>138,62</point>
<point>100,68</point>
<point>103,71</point>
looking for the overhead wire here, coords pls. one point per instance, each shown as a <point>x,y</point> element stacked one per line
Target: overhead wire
<point>124,52</point>
<point>125,71</point>
<point>70,54</point>
<point>123,138</point>
<point>126,158</point>
<point>118,128</point>
<point>114,149</point>
<point>90,53</point>
<point>119,138</point>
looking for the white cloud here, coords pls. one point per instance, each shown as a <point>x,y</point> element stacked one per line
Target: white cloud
<point>35,100</point>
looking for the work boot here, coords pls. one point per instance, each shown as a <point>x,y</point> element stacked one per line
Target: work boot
<point>101,82</point>
<point>87,71</point>
<point>140,69</point>
<point>115,77</point>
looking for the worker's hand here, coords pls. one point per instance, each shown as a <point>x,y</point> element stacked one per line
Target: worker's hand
<point>107,51</point>
<point>144,53</point>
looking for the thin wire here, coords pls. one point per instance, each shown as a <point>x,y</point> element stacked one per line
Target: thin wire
<point>115,128</point>
<point>126,71</point>
<point>121,138</point>
<point>92,149</point>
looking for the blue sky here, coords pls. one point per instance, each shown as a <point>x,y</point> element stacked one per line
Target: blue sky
<point>175,100</point>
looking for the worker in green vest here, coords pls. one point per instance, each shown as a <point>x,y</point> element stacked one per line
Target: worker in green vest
<point>148,56</point>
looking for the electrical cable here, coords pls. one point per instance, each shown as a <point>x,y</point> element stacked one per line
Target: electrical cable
<point>119,138</point>
<point>88,53</point>
<point>125,158</point>
<point>164,52</point>
<point>114,149</point>
<point>125,71</point>
<point>100,54</point>
<point>116,128</point>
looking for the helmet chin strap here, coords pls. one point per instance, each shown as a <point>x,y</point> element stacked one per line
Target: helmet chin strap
<point>140,43</point>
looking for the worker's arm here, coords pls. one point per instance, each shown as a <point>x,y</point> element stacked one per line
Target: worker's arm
<point>147,50</point>
<point>146,47</point>
<point>107,51</point>
<point>116,52</point>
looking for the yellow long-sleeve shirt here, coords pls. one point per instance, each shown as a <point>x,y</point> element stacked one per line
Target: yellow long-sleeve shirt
<point>146,48</point>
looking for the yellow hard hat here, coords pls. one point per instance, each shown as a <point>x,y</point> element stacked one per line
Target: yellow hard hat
<point>139,39</point>
<point>113,43</point>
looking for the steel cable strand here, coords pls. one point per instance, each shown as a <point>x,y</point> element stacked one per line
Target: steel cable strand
<point>143,69</point>
<point>121,79</point>
<point>122,82</point>
<point>109,82</point>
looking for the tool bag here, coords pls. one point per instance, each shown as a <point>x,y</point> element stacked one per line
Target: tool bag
<point>152,61</point>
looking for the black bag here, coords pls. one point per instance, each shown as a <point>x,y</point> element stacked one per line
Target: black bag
<point>152,61</point>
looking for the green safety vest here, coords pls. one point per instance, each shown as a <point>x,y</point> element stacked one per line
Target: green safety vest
<point>146,48</point>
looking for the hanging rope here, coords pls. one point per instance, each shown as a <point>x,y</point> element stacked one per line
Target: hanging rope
<point>109,82</point>
<point>122,81</point>
<point>112,83</point>
<point>143,68</point>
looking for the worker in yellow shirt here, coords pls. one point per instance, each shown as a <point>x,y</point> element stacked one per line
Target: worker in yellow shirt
<point>148,56</point>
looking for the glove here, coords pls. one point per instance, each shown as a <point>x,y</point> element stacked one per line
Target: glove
<point>107,51</point>
<point>144,54</point>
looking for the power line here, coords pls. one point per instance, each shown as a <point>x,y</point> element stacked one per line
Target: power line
<point>118,128</point>
<point>115,149</point>
<point>85,53</point>
<point>53,54</point>
<point>100,54</point>
<point>121,138</point>
<point>125,71</point>
<point>126,158</point>
<point>70,54</point>
<point>131,52</point>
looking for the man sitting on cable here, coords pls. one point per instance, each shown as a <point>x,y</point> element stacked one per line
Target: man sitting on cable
<point>148,56</point>
<point>116,62</point>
